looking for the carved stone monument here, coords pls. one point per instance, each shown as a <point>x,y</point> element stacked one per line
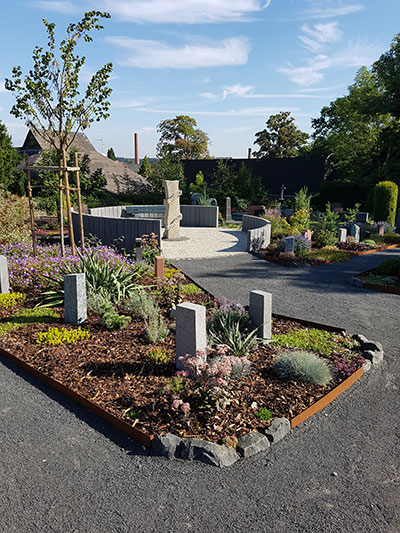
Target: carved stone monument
<point>173,215</point>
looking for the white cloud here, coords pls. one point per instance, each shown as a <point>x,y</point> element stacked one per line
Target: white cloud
<point>314,38</point>
<point>355,55</point>
<point>166,11</point>
<point>236,90</point>
<point>247,111</point>
<point>184,11</point>
<point>328,12</point>
<point>130,103</point>
<point>210,96</point>
<point>2,88</point>
<point>62,6</point>
<point>155,54</point>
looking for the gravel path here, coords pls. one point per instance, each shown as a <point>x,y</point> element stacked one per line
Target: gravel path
<point>204,243</point>
<point>63,470</point>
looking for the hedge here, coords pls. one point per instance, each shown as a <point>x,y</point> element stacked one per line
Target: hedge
<point>385,202</point>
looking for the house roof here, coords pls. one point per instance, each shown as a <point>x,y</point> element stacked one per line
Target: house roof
<point>120,178</point>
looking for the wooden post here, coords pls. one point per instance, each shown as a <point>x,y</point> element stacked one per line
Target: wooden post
<point>61,211</point>
<point>78,187</point>
<point>68,198</point>
<point>31,212</point>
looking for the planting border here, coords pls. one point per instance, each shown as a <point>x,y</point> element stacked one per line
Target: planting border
<point>358,282</point>
<point>280,262</point>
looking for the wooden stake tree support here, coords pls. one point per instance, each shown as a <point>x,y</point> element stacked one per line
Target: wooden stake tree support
<point>62,170</point>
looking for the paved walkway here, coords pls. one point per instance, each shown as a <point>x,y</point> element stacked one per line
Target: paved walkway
<point>205,243</point>
<point>62,469</point>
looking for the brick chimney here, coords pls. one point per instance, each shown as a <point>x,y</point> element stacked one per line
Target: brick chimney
<point>249,154</point>
<point>136,150</point>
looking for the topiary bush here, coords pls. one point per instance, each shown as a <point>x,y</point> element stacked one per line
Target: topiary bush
<point>303,366</point>
<point>385,201</point>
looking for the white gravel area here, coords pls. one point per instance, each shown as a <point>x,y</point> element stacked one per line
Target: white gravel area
<point>205,243</point>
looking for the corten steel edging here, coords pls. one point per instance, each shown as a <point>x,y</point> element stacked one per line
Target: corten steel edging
<point>327,399</point>
<point>134,433</point>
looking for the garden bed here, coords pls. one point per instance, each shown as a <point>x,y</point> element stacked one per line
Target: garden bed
<point>112,372</point>
<point>312,259</point>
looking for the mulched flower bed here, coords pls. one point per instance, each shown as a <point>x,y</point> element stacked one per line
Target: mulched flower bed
<point>290,259</point>
<point>373,279</point>
<point>112,370</point>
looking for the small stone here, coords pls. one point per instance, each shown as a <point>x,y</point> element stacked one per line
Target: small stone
<point>208,452</point>
<point>252,443</point>
<point>372,346</point>
<point>360,338</point>
<point>167,445</point>
<point>278,429</point>
<point>334,474</point>
<point>367,366</point>
<point>254,405</point>
<point>374,357</point>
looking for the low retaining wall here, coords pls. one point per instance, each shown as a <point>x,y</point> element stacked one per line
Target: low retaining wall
<point>109,229</point>
<point>198,216</point>
<point>258,232</point>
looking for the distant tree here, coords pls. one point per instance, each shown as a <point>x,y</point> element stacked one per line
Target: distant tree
<point>181,136</point>
<point>199,185</point>
<point>11,178</point>
<point>111,154</point>
<point>248,187</point>
<point>223,182</point>
<point>167,167</point>
<point>145,169</point>
<point>387,71</point>
<point>281,138</point>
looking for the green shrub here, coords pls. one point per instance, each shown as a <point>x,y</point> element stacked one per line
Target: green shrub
<point>98,302</point>
<point>391,238</point>
<point>14,218</point>
<point>11,299</point>
<point>55,336</point>
<point>303,366</point>
<point>174,385</point>
<point>369,242</point>
<point>324,237</point>
<point>159,354</point>
<point>238,343</point>
<point>156,329</point>
<point>111,320</point>
<point>390,267</point>
<point>316,340</point>
<point>327,254</point>
<point>385,202</point>
<point>263,413</point>
<point>191,288</point>
<point>142,304</point>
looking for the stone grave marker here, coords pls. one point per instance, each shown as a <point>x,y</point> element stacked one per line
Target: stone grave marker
<point>75,307</point>
<point>4,275</point>
<point>194,199</point>
<point>138,249</point>
<point>342,234</point>
<point>381,229</point>
<point>289,244</point>
<point>190,330</point>
<point>228,210</point>
<point>355,232</point>
<point>362,217</point>
<point>307,234</point>
<point>260,310</point>
<point>173,214</point>
<point>398,221</point>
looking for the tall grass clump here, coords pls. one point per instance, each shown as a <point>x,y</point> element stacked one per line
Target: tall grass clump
<point>303,366</point>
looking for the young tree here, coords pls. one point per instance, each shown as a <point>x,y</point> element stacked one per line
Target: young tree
<point>280,138</point>
<point>111,154</point>
<point>167,167</point>
<point>181,136</point>
<point>11,178</point>
<point>145,169</point>
<point>49,97</point>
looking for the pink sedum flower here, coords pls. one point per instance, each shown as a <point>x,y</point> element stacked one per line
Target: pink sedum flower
<point>185,407</point>
<point>176,404</point>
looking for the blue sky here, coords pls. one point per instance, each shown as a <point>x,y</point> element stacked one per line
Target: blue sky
<point>230,64</point>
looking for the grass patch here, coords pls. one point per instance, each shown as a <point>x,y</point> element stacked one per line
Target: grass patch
<point>315,340</point>
<point>335,256</point>
<point>191,288</point>
<point>29,316</point>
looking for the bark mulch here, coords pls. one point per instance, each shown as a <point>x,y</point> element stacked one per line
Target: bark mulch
<point>112,370</point>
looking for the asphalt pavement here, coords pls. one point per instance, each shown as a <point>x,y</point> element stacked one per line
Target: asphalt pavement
<point>62,469</point>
